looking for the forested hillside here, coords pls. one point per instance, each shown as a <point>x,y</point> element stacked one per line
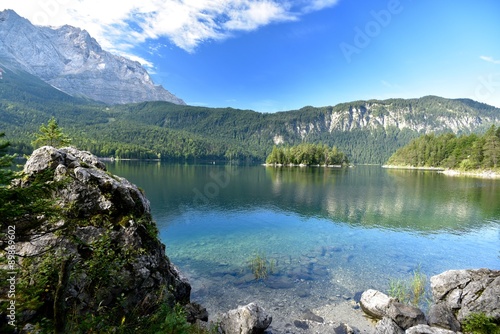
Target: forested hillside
<point>366,131</point>
<point>467,152</point>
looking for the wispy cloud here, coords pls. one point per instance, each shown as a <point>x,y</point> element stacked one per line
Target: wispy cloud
<point>490,59</point>
<point>186,23</point>
<point>316,5</point>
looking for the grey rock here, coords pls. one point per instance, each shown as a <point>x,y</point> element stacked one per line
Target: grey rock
<point>96,204</point>
<point>91,190</point>
<point>301,324</point>
<point>71,60</point>
<point>404,315</point>
<point>309,315</point>
<point>468,291</point>
<point>195,312</point>
<point>248,319</point>
<point>388,326</point>
<point>426,329</point>
<point>344,329</point>
<point>375,303</point>
<point>440,315</point>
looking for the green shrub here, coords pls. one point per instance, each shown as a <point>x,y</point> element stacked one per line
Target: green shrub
<point>480,323</point>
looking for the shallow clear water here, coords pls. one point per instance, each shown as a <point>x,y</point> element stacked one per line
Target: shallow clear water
<point>328,232</point>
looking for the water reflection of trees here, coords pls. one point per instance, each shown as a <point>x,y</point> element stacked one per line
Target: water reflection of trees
<point>365,195</point>
<point>410,200</point>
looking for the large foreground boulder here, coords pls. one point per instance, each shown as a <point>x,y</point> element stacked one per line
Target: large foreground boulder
<point>464,292</point>
<point>248,319</point>
<point>101,257</point>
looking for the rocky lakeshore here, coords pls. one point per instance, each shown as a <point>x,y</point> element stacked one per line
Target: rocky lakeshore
<point>457,295</point>
<point>484,174</point>
<point>413,168</point>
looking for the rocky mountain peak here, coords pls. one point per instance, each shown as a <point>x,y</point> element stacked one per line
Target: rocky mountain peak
<point>69,59</point>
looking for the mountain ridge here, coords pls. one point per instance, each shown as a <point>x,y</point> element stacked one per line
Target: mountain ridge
<point>368,131</point>
<point>70,60</point>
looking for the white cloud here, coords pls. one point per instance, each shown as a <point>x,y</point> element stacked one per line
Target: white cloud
<point>119,26</point>
<point>490,59</point>
<point>256,14</point>
<point>316,5</point>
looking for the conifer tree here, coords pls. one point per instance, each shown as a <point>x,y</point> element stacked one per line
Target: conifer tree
<point>51,135</point>
<point>21,205</point>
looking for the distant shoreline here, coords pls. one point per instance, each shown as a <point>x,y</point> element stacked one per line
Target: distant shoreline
<point>481,173</point>
<point>301,165</point>
<point>413,168</point>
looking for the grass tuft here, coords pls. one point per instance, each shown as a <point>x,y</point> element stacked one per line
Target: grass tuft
<point>261,267</point>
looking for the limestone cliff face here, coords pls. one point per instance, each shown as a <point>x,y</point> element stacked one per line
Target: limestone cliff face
<point>396,114</point>
<point>102,253</point>
<point>71,60</point>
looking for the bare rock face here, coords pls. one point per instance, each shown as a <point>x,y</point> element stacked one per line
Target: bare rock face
<point>248,319</point>
<point>464,292</point>
<point>103,252</point>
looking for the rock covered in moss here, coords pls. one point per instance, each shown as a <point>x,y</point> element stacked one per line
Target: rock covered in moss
<point>101,257</point>
<point>90,189</point>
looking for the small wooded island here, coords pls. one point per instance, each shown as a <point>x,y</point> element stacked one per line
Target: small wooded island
<point>307,154</point>
<point>467,154</point>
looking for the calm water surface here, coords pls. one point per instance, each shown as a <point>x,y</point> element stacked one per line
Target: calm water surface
<point>330,232</point>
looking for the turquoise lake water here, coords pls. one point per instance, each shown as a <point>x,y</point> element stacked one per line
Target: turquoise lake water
<point>329,233</point>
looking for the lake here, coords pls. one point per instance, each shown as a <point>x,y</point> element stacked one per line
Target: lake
<point>327,233</point>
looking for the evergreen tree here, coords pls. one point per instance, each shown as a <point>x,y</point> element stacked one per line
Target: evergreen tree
<point>6,174</point>
<point>21,205</point>
<point>52,135</point>
<point>491,148</point>
<point>307,154</point>
<point>465,152</point>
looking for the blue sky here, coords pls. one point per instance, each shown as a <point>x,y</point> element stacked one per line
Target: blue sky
<point>273,55</point>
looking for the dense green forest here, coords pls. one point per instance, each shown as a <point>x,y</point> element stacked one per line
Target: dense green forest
<point>466,152</point>
<point>162,130</point>
<point>307,154</point>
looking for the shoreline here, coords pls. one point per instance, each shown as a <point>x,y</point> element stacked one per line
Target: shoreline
<point>435,169</point>
<point>302,165</point>
<point>484,174</point>
<point>481,173</point>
